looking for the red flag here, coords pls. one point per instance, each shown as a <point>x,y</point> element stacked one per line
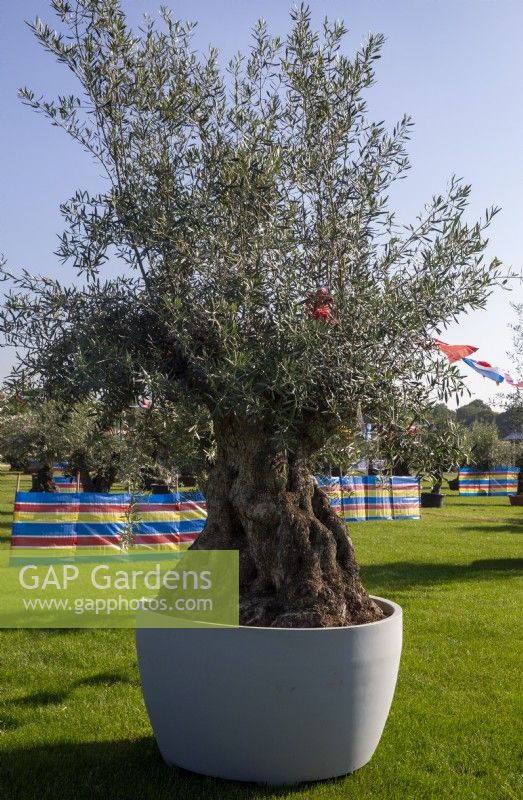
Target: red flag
<point>509,379</point>
<point>454,352</point>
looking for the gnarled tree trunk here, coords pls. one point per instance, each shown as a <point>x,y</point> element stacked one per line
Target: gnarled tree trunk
<point>297,565</point>
<point>104,476</point>
<point>43,479</point>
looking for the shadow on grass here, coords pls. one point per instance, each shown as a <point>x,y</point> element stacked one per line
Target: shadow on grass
<point>410,574</point>
<point>481,500</point>
<point>510,526</point>
<point>8,723</point>
<point>57,698</point>
<point>39,699</point>
<point>114,769</point>
<point>103,679</point>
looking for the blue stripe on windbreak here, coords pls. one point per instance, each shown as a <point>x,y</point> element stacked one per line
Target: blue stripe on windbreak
<point>182,526</point>
<point>469,470</point>
<point>176,497</point>
<point>68,529</point>
<point>106,498</point>
<point>54,498</point>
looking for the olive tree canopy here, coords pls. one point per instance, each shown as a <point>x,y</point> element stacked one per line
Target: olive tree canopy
<point>142,446</point>
<point>233,197</point>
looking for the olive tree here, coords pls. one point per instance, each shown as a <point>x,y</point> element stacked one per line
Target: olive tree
<point>487,450</point>
<point>513,414</point>
<point>442,448</point>
<point>35,433</point>
<point>263,273</point>
<point>140,446</point>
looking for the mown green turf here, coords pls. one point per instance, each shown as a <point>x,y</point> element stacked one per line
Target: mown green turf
<point>73,724</point>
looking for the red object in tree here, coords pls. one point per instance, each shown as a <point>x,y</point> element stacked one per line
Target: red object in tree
<point>454,352</point>
<point>318,305</point>
<point>322,312</point>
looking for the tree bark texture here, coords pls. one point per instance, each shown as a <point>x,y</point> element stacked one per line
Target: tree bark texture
<point>297,564</point>
<point>103,477</point>
<point>43,479</point>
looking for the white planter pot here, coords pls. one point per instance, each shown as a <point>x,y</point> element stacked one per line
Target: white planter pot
<point>271,705</point>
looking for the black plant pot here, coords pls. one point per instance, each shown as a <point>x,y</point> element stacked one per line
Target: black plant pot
<point>187,480</point>
<point>431,500</point>
<point>159,488</point>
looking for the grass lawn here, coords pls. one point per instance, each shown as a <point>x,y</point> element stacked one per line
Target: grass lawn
<point>73,724</point>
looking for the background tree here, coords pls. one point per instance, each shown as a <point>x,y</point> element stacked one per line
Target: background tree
<point>12,406</point>
<point>513,414</point>
<point>427,445</point>
<point>511,419</point>
<point>441,448</point>
<point>475,411</point>
<point>33,433</point>
<point>487,450</point>
<point>441,412</point>
<point>228,201</point>
<point>142,445</point>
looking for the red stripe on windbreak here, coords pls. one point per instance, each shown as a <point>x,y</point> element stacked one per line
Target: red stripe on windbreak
<point>67,508</point>
<point>88,540</point>
<point>62,541</point>
<point>165,538</point>
<point>42,541</point>
<point>192,506</point>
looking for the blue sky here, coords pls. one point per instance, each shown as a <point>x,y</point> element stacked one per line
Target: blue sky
<point>456,66</point>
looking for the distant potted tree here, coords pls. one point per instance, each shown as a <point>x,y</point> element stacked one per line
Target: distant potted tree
<point>34,436</point>
<point>142,443</point>
<point>486,450</point>
<point>515,405</point>
<point>266,276</point>
<point>426,446</point>
<point>517,499</point>
<point>441,449</point>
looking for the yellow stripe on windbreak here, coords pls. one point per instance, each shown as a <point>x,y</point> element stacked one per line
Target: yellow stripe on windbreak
<point>167,516</point>
<point>161,548</point>
<point>144,516</point>
<point>60,517</point>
